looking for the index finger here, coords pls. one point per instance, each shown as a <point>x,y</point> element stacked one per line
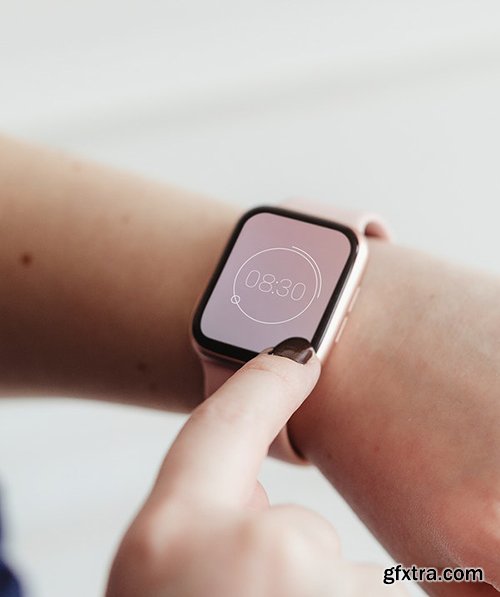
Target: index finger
<point>218,453</point>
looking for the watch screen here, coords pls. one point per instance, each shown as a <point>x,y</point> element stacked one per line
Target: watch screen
<point>280,277</point>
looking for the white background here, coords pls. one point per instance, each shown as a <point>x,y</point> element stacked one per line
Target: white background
<point>391,105</point>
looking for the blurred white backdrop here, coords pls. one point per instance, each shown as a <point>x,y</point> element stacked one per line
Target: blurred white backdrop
<point>390,105</point>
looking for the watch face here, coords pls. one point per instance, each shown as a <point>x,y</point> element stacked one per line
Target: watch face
<point>280,276</point>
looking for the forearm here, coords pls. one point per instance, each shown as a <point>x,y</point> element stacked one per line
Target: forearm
<point>100,271</point>
<point>405,419</point>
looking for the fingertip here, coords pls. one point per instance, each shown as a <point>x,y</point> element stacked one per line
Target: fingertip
<point>300,351</point>
<point>293,360</point>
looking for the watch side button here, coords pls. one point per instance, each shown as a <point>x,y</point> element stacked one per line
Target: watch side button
<point>354,299</point>
<point>341,329</point>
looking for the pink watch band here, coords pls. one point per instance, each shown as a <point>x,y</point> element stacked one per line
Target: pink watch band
<point>366,223</point>
<point>217,372</point>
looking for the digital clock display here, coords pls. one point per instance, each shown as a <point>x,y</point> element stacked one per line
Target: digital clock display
<point>279,277</point>
<point>291,287</point>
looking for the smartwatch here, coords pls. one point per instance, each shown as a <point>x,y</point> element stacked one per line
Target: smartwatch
<point>288,271</point>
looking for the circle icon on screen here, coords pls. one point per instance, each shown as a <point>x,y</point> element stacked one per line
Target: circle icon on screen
<point>276,285</point>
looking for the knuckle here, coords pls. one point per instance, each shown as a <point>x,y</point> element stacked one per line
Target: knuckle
<point>154,534</point>
<point>145,558</point>
<point>133,564</point>
<point>279,545</point>
<point>141,542</point>
<point>318,526</point>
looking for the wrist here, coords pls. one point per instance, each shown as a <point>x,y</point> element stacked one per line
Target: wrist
<point>376,328</point>
<point>412,380</point>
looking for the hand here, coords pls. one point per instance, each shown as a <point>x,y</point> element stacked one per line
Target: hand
<point>207,529</point>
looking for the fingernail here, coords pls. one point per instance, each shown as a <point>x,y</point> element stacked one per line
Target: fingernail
<point>296,349</point>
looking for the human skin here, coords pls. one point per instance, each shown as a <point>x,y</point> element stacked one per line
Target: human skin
<point>407,413</point>
<point>207,528</point>
<point>100,273</point>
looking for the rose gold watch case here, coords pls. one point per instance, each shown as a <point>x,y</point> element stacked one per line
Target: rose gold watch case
<point>338,316</point>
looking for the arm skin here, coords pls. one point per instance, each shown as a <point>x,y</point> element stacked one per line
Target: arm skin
<point>405,420</point>
<point>100,273</point>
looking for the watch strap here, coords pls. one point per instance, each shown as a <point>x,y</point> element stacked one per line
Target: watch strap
<point>217,372</point>
<point>364,222</point>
